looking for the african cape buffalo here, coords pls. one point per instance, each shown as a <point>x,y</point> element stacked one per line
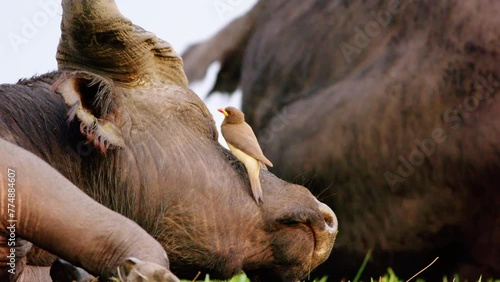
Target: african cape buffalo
<point>119,122</point>
<point>390,110</point>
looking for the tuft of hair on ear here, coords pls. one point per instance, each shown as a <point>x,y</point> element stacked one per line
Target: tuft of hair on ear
<point>91,101</point>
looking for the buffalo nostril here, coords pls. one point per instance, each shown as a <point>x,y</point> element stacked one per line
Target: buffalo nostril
<point>329,216</point>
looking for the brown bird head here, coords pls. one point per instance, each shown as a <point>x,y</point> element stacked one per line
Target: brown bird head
<point>233,115</point>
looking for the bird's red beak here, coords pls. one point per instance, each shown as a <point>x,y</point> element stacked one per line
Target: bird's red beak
<point>223,112</point>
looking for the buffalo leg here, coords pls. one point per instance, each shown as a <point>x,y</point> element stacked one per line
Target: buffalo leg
<point>40,206</point>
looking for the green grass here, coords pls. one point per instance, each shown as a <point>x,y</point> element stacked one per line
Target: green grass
<point>238,278</point>
<point>390,276</point>
<point>243,278</point>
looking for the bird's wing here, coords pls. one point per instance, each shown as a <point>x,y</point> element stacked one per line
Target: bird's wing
<point>253,167</point>
<point>242,137</point>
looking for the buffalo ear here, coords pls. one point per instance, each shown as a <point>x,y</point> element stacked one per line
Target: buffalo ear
<point>91,100</point>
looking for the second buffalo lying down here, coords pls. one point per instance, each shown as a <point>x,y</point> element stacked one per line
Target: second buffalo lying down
<point>141,143</point>
<point>394,105</point>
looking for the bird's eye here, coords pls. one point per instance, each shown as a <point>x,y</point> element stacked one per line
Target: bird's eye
<point>231,113</point>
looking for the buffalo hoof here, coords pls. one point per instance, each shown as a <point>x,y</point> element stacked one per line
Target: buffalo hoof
<point>135,270</point>
<point>63,271</point>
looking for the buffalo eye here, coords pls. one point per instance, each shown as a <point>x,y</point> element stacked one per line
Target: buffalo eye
<point>289,221</point>
<point>298,217</point>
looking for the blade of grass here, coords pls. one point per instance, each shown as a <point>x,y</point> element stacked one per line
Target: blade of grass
<point>196,277</point>
<point>423,269</point>
<point>392,275</point>
<point>363,265</point>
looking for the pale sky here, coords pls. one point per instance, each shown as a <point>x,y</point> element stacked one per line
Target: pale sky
<point>29,33</point>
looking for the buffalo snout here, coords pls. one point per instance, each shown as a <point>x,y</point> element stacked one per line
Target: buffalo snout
<point>331,223</point>
<point>302,230</point>
<point>325,237</point>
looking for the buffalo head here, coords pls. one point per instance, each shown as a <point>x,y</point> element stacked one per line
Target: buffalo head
<point>143,144</point>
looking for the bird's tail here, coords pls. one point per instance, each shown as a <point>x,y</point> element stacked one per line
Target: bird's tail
<point>253,174</point>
